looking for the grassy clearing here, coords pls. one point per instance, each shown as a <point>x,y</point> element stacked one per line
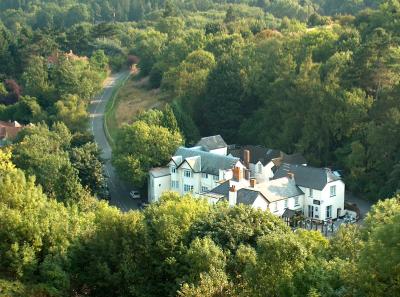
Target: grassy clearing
<point>134,96</point>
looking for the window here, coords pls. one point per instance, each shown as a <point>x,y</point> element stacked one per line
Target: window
<point>175,184</point>
<point>187,173</point>
<point>310,193</point>
<point>215,177</point>
<point>187,188</point>
<point>204,175</point>
<point>329,211</point>
<point>286,203</point>
<point>333,191</point>
<point>275,206</point>
<point>259,168</point>
<point>296,201</point>
<point>317,202</point>
<point>204,189</point>
<point>173,169</point>
<point>310,211</point>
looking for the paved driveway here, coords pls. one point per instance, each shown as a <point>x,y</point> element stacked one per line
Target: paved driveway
<point>119,190</point>
<point>363,205</point>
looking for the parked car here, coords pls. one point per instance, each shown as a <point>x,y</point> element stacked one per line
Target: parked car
<point>135,194</point>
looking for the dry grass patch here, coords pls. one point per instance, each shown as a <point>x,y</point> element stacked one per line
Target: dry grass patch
<point>133,97</point>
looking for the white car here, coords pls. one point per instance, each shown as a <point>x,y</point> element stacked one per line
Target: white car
<point>135,194</point>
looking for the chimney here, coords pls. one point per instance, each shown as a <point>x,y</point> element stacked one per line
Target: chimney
<point>232,196</point>
<point>236,173</point>
<point>247,174</point>
<point>246,158</point>
<point>253,182</point>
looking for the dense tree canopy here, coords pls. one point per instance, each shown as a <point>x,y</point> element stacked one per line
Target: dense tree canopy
<point>182,246</point>
<point>65,171</point>
<point>321,77</point>
<point>326,88</point>
<point>147,143</point>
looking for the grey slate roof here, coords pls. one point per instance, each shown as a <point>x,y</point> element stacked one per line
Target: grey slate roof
<point>212,142</point>
<point>279,189</point>
<point>258,153</point>
<point>247,196</point>
<point>306,176</point>
<point>288,213</point>
<point>205,162</point>
<point>222,189</point>
<point>296,158</point>
<point>264,155</point>
<point>244,196</point>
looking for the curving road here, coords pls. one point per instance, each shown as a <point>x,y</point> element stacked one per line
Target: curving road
<point>119,191</point>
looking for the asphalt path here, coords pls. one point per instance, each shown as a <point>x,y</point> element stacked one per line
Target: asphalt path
<point>119,190</point>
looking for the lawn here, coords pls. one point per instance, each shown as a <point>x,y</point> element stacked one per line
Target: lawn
<point>134,96</point>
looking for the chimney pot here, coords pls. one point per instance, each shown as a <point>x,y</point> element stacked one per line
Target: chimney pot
<point>232,196</point>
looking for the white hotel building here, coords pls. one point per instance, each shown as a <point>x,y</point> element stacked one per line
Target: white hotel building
<point>210,171</point>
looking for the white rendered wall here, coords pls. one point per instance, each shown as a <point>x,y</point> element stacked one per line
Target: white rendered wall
<point>325,200</point>
<point>260,203</point>
<point>157,186</point>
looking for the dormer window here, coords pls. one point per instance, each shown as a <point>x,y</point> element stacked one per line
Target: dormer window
<point>173,169</point>
<point>187,173</point>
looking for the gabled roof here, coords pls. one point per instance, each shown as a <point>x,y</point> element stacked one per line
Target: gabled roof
<point>11,124</point>
<point>295,158</point>
<point>177,160</point>
<point>193,162</point>
<point>205,162</point>
<point>289,213</point>
<point>247,196</point>
<point>306,176</point>
<point>274,190</point>
<point>244,196</point>
<point>222,189</point>
<point>265,155</point>
<point>258,153</point>
<point>212,142</point>
<point>279,189</point>
<point>9,129</point>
